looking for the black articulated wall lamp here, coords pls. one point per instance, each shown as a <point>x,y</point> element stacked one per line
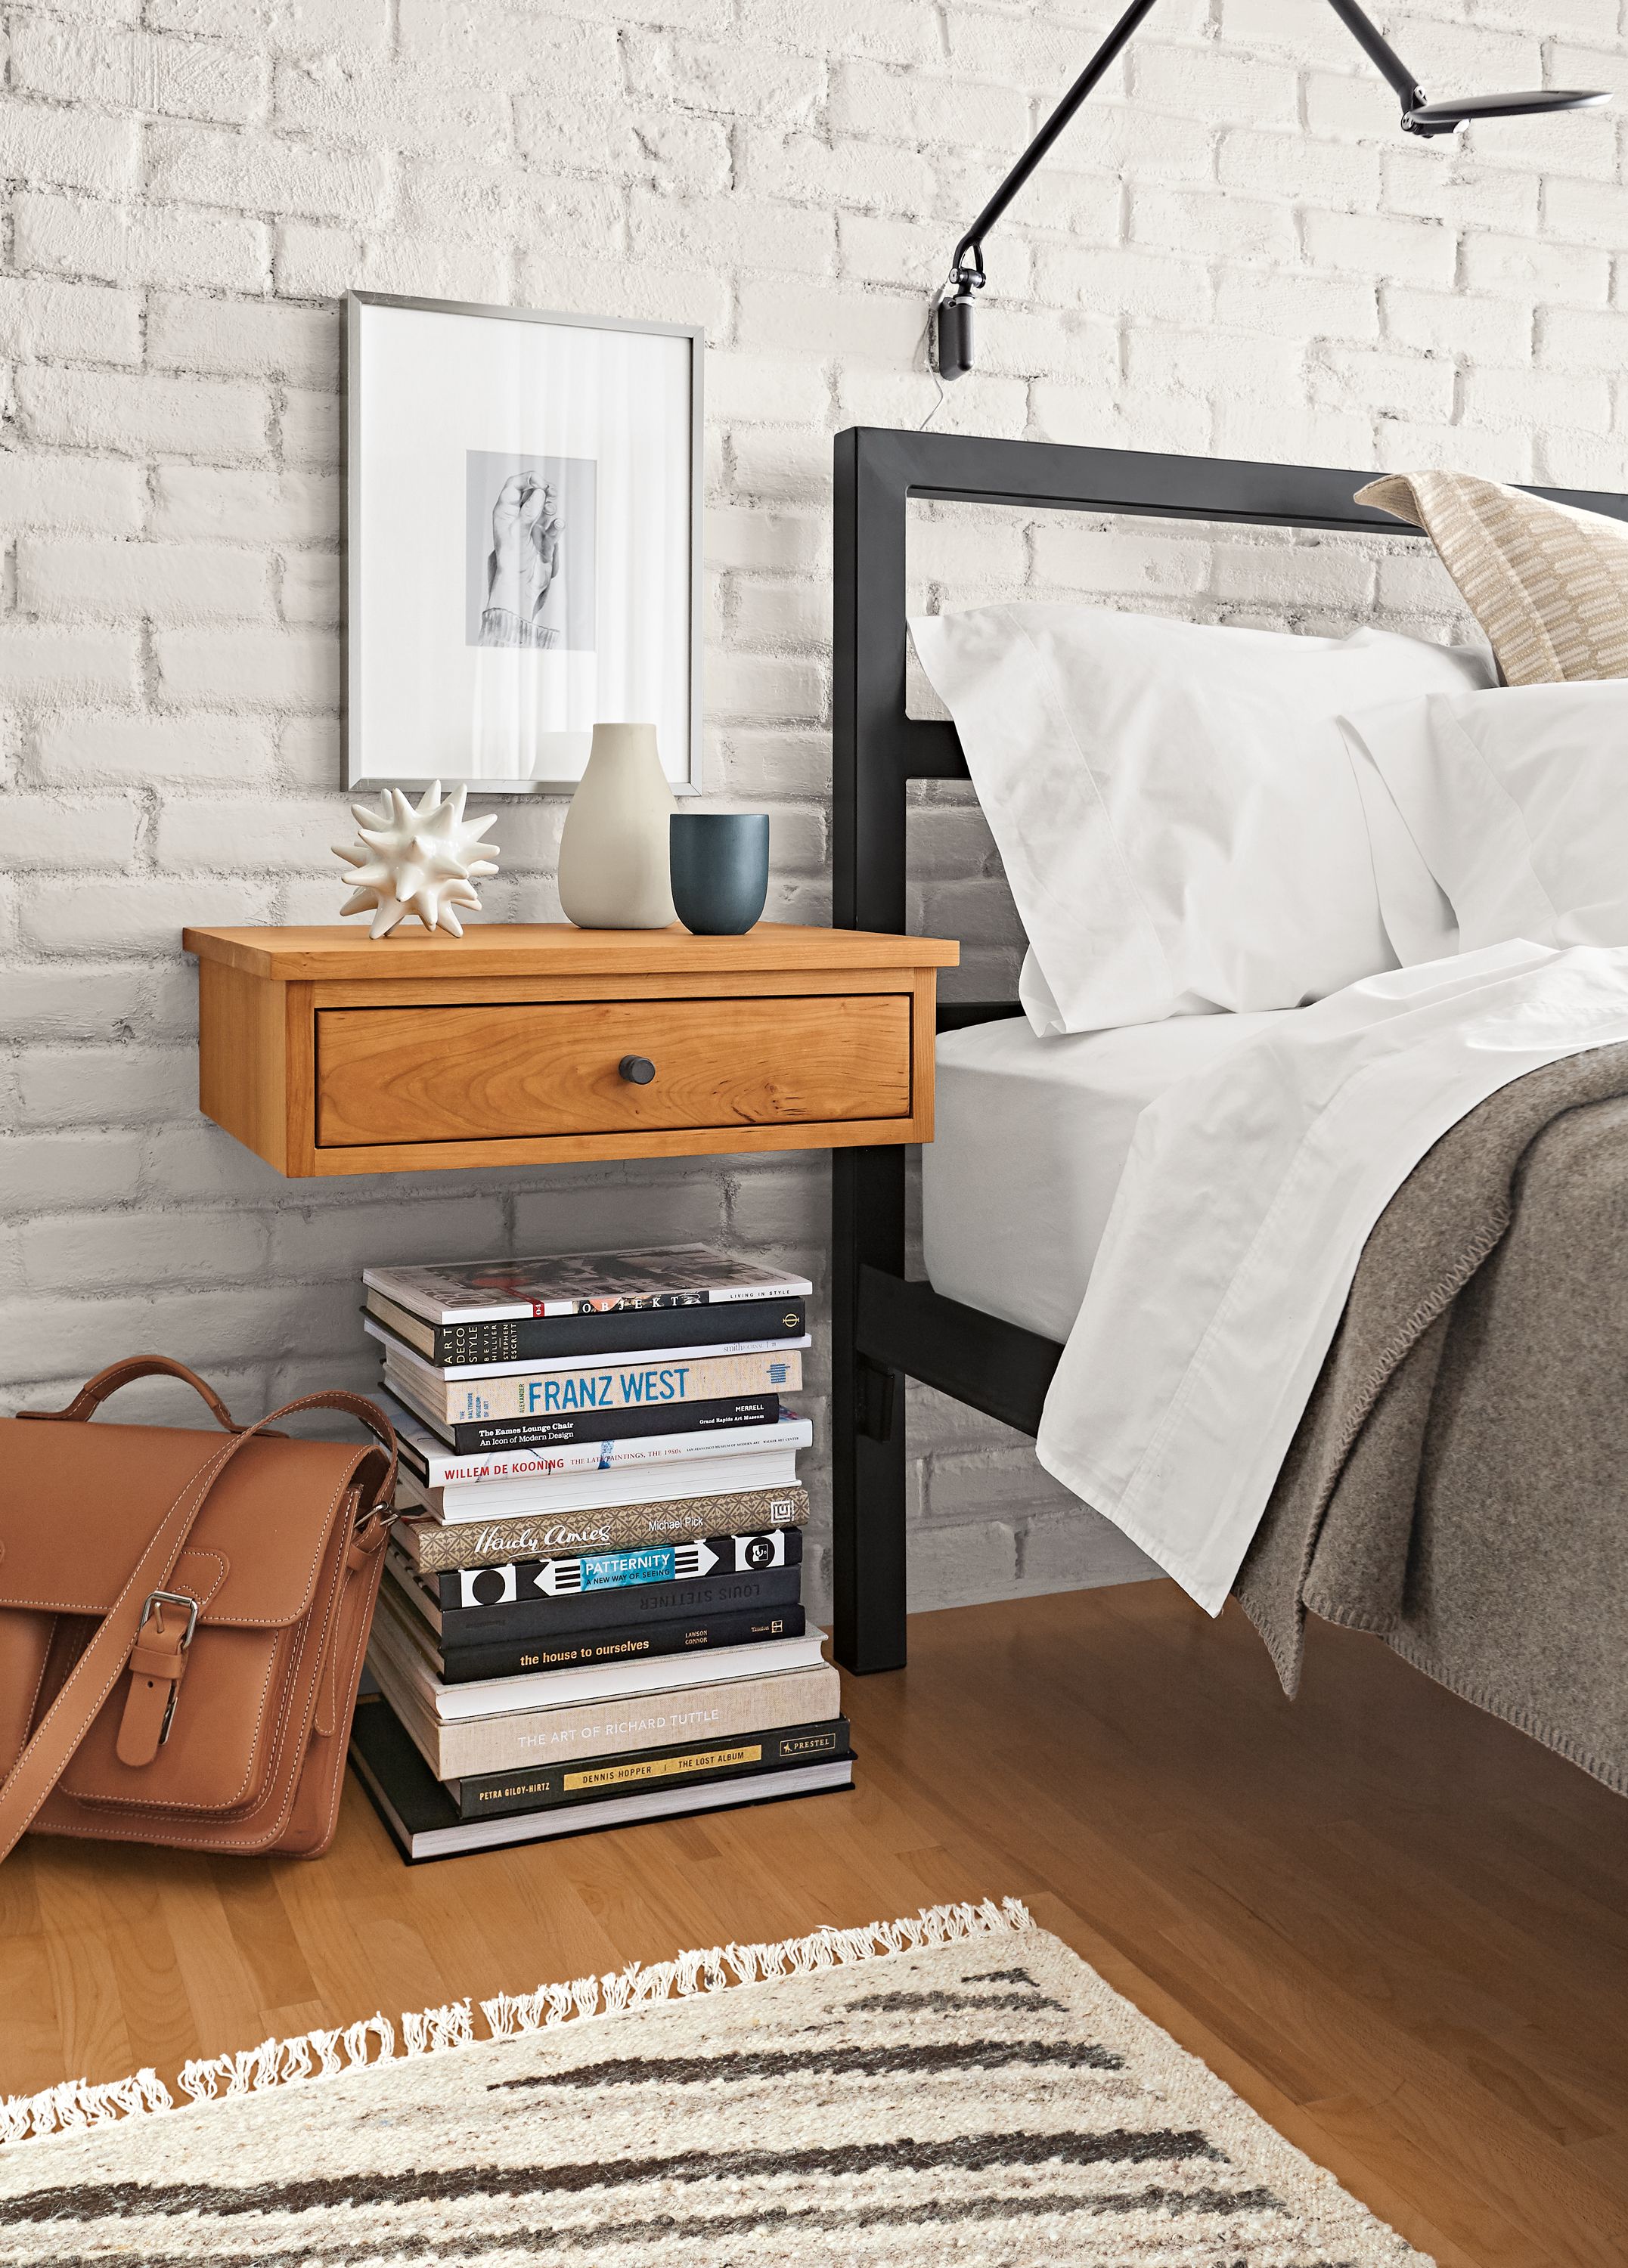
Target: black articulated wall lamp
<point>1420,115</point>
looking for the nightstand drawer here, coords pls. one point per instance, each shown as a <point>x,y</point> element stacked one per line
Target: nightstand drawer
<point>503,1071</point>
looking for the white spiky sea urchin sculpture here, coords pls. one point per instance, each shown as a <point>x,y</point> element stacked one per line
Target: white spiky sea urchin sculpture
<point>422,862</point>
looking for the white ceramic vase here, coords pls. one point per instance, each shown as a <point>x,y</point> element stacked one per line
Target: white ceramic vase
<point>613,852</point>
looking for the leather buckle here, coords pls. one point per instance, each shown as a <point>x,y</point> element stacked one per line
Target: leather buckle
<point>170,1599</point>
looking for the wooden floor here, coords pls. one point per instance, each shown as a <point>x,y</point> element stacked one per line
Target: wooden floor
<point>1399,1929</point>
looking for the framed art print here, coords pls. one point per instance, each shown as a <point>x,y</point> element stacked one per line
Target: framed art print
<point>523,543</point>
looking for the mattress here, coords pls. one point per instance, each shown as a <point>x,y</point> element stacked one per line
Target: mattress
<point>1030,1140</point>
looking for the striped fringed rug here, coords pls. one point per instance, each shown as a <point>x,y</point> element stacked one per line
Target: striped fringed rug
<point>957,2088</point>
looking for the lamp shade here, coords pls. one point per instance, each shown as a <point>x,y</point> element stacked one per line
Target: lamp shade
<point>1442,117</point>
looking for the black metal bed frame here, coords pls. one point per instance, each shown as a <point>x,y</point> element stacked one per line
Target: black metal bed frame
<point>884,1326</point>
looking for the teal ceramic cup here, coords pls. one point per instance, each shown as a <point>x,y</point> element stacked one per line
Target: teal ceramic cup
<point>719,869</point>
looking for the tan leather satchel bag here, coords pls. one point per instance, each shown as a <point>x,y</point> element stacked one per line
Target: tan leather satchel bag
<point>182,1620</point>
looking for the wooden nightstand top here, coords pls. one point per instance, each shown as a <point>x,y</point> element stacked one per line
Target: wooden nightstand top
<point>556,949</point>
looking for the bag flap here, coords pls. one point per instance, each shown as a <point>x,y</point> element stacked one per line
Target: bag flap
<point>79,1504</point>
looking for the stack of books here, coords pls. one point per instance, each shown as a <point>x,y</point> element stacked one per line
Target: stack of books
<point>592,1614</point>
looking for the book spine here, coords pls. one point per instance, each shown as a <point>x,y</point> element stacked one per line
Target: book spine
<point>573,1574</point>
<point>649,1602</point>
<point>554,1786</point>
<point>669,1387</point>
<point>426,1451</point>
<point>588,1425</point>
<point>469,1665</point>
<point>485,1544</point>
<point>651,1355</point>
<point>621,1331</point>
<point>593,1729</point>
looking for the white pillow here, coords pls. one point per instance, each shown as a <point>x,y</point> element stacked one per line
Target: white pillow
<point>1176,807</point>
<point>1417,912</point>
<point>1519,801</point>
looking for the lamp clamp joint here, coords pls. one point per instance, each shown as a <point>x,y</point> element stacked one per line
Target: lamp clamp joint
<point>966,277</point>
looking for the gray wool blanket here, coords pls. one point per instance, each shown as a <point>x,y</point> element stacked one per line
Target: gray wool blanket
<point>1459,1482</point>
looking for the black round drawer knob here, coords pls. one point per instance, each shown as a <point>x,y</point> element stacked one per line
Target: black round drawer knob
<point>638,1070</point>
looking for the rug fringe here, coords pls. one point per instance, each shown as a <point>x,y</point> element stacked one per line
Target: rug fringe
<point>317,2055</point>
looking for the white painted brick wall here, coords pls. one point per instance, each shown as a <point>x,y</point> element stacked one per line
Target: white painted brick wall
<point>1233,252</point>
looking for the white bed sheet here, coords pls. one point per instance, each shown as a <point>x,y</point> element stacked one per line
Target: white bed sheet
<point>1031,1138</point>
<point>1240,1219</point>
<point>1188,1225</point>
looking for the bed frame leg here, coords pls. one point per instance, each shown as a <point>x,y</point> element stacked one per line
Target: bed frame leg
<point>867,1419</point>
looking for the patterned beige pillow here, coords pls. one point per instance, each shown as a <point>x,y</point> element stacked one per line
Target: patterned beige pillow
<point>1548,584</point>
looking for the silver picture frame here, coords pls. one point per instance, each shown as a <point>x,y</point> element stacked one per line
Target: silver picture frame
<point>364,765</point>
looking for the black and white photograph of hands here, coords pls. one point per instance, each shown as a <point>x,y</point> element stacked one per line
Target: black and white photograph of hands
<point>523,563</point>
<point>530,543</point>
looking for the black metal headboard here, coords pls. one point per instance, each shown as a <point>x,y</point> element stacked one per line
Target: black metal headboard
<point>877,749</point>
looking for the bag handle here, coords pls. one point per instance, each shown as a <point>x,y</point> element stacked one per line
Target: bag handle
<point>91,1397</point>
<point>99,1668</point>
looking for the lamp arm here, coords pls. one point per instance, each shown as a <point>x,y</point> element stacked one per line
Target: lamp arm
<point>1380,53</point>
<point>1060,118</point>
<point>1378,50</point>
<point>953,309</point>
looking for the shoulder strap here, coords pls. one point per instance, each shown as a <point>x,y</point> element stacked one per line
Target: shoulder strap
<point>99,1668</point>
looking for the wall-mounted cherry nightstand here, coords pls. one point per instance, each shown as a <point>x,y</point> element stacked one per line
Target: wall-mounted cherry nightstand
<point>519,1045</point>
